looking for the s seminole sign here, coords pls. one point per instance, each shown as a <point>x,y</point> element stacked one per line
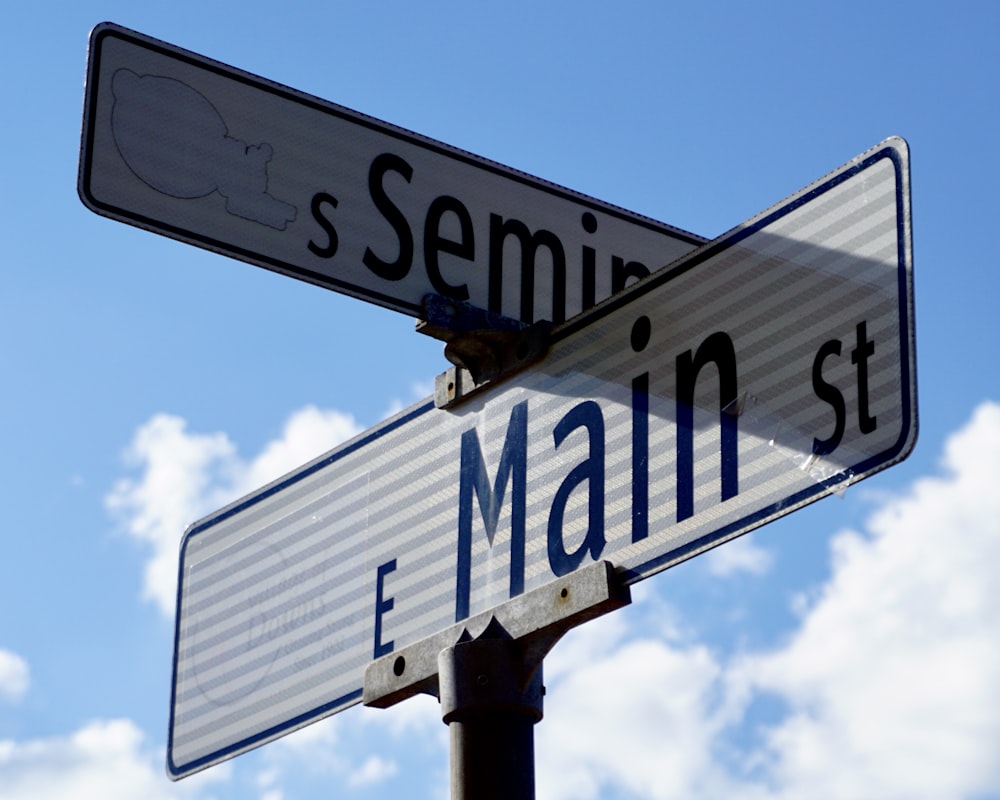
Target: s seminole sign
<point>198,151</point>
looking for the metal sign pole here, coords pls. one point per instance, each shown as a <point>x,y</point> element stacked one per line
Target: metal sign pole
<point>491,698</point>
<point>490,683</point>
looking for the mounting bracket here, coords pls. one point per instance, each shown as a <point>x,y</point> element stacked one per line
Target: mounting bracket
<point>487,672</point>
<point>483,346</point>
<point>535,620</point>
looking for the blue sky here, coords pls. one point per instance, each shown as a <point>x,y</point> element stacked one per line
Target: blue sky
<point>850,650</point>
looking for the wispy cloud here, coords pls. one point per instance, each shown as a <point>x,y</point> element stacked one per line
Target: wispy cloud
<point>14,676</point>
<point>318,750</point>
<point>739,556</point>
<point>374,770</point>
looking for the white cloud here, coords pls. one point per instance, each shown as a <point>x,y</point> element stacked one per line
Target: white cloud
<point>372,771</point>
<point>739,555</point>
<point>308,433</point>
<point>266,781</point>
<point>184,476</point>
<point>890,684</point>
<point>893,678</point>
<point>641,718</point>
<point>179,472</point>
<point>14,676</point>
<point>105,760</point>
<point>318,750</point>
<point>307,745</point>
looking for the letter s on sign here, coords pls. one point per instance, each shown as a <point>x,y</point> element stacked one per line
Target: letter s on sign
<point>390,270</point>
<point>319,199</point>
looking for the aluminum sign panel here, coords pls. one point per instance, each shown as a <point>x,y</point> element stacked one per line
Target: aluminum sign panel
<point>762,372</point>
<point>201,152</point>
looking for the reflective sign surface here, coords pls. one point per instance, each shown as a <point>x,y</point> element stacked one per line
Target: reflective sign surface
<point>765,370</point>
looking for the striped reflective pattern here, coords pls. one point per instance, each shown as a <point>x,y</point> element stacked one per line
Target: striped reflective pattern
<point>762,372</point>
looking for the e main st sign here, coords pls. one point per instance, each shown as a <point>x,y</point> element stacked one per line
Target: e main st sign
<point>749,377</point>
<point>758,374</point>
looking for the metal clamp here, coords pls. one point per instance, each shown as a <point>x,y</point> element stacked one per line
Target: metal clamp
<point>483,346</point>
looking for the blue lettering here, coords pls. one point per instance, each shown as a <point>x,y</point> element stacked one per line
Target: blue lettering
<point>381,606</point>
<point>641,332</point>
<point>474,479</point>
<point>586,415</point>
<point>717,348</point>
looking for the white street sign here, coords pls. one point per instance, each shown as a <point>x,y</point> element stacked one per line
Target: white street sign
<point>215,157</point>
<point>765,370</point>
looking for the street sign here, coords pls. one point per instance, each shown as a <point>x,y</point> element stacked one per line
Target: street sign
<point>763,371</point>
<point>184,146</point>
